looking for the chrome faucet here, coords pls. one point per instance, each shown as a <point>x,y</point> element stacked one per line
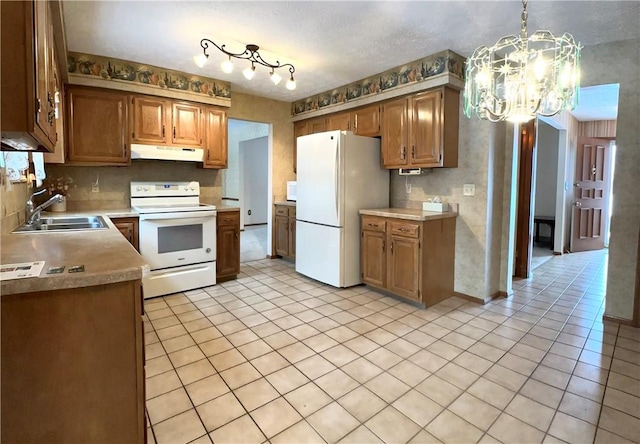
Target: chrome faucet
<point>33,214</point>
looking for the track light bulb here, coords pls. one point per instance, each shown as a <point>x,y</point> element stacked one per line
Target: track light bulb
<point>227,66</point>
<point>291,83</point>
<point>200,60</point>
<point>275,77</point>
<point>249,72</point>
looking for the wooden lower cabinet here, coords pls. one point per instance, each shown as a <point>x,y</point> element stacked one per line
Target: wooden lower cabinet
<point>410,259</point>
<point>128,226</point>
<point>73,365</point>
<point>227,245</point>
<point>285,231</point>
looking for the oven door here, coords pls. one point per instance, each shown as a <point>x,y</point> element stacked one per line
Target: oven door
<point>176,239</point>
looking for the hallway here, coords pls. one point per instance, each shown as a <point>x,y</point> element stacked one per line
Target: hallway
<point>277,357</point>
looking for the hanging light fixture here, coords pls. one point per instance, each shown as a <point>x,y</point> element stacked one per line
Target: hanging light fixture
<point>251,54</point>
<point>521,76</point>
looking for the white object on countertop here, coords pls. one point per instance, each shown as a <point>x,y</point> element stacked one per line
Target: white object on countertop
<point>20,271</point>
<point>436,207</point>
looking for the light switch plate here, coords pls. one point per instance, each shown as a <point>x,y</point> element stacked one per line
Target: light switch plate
<point>469,189</point>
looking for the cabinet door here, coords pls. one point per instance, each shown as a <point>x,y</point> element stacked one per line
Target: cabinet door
<point>186,125</point>
<point>128,226</point>
<point>97,126</point>
<point>366,121</point>
<point>292,237</point>
<point>317,125</point>
<point>340,121</point>
<point>394,134</point>
<point>228,250</point>
<point>282,235</point>
<point>215,139</point>
<point>373,258</point>
<point>148,117</point>
<point>300,128</point>
<point>403,264</point>
<point>426,129</point>
<point>44,81</point>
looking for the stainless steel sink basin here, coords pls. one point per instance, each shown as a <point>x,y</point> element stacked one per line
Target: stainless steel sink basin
<point>64,223</point>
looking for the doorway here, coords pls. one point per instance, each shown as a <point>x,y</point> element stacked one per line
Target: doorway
<point>246,184</point>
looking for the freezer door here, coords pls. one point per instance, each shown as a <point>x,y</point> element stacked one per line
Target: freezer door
<point>319,252</point>
<point>319,179</point>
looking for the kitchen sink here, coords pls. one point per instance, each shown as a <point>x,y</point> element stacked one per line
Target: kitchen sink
<point>64,223</point>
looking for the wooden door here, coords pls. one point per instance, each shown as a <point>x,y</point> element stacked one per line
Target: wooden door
<point>317,125</point>
<point>215,140</point>
<point>300,128</point>
<point>591,194</point>
<point>148,117</point>
<point>373,258</point>
<point>228,254</point>
<point>97,126</point>
<point>292,237</point>
<point>339,121</point>
<point>366,121</point>
<point>282,235</point>
<point>44,97</point>
<point>426,129</point>
<point>403,266</point>
<point>128,226</point>
<point>394,134</point>
<point>186,125</point>
<point>524,216</point>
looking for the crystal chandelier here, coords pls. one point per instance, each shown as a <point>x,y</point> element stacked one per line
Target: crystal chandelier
<point>251,54</point>
<point>520,77</point>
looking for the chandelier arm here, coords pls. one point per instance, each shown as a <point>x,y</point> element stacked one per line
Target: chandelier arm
<point>523,20</point>
<point>256,57</point>
<point>246,55</point>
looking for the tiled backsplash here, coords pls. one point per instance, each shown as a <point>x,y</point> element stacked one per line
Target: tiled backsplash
<point>113,182</point>
<point>13,201</point>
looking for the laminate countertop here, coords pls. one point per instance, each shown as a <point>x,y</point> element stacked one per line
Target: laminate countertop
<point>408,214</point>
<point>105,253</point>
<point>288,203</point>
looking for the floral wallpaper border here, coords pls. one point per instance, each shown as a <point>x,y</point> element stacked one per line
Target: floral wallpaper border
<point>109,68</point>
<point>435,64</point>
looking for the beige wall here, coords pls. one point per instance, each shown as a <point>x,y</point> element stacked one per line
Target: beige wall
<point>13,199</point>
<point>618,62</point>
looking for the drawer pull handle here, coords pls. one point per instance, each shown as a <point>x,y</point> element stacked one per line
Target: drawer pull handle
<point>403,229</point>
<point>373,225</point>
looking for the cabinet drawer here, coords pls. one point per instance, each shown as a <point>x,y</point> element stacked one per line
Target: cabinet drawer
<point>282,211</point>
<point>229,218</point>
<point>292,211</point>
<point>405,229</point>
<point>373,224</point>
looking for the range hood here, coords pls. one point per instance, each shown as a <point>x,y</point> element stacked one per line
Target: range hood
<point>155,152</point>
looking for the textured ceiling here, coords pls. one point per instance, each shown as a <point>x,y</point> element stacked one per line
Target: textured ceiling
<point>330,43</point>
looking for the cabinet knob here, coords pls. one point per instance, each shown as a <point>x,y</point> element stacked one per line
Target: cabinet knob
<point>162,130</point>
<point>413,152</point>
<point>174,132</point>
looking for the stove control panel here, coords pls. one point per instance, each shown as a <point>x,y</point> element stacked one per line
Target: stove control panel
<point>164,189</point>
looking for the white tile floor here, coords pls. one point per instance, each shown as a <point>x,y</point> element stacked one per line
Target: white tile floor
<point>276,357</point>
<point>253,243</point>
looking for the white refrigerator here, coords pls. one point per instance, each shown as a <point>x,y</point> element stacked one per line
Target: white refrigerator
<point>338,174</point>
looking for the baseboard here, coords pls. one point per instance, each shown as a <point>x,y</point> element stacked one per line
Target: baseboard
<point>622,321</point>
<point>557,253</point>
<point>496,295</point>
<point>255,225</point>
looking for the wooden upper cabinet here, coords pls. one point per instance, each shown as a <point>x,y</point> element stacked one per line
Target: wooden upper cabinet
<point>27,82</point>
<point>215,138</point>
<point>425,128</point>
<point>395,135</point>
<point>339,121</point>
<point>421,130</point>
<point>366,121</point>
<point>149,120</point>
<point>300,128</point>
<point>186,120</point>
<point>97,124</point>
<point>317,125</point>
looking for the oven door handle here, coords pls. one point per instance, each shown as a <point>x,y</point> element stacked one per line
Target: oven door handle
<point>179,215</point>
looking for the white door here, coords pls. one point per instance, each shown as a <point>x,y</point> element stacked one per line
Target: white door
<point>319,252</point>
<point>255,177</point>
<point>319,179</point>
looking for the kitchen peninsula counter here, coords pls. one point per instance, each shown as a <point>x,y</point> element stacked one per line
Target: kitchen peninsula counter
<point>408,214</point>
<point>106,255</point>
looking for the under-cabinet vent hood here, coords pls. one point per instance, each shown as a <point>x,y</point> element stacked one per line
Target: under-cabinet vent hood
<point>166,153</point>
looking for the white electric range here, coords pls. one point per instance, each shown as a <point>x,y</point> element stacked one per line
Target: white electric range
<point>177,236</point>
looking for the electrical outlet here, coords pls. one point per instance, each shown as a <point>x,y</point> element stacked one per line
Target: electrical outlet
<point>95,188</point>
<point>469,189</point>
